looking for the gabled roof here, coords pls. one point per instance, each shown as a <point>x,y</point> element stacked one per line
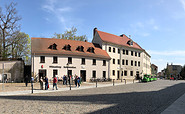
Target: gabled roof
<point>119,40</point>
<point>40,47</point>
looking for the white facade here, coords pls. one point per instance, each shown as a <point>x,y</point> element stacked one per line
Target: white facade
<point>77,65</point>
<point>122,65</point>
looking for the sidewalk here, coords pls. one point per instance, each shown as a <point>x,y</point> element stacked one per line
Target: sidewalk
<point>91,85</point>
<point>178,107</point>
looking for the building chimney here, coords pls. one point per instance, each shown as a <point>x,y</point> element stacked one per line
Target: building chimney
<point>129,36</point>
<point>94,31</point>
<point>85,40</point>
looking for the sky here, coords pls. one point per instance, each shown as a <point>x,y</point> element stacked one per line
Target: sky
<point>156,25</point>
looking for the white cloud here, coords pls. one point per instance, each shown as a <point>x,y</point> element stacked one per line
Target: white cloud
<point>51,6</point>
<point>183,3</point>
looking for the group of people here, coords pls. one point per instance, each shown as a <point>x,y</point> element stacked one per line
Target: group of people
<point>66,80</point>
<point>47,83</point>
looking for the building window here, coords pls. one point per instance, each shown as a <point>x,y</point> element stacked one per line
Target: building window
<point>94,61</point>
<point>136,54</point>
<point>55,60</point>
<point>90,49</point>
<point>126,62</point>
<point>131,62</point>
<point>80,48</point>
<point>123,51</point>
<point>126,52</point>
<point>109,49</point>
<point>139,54</point>
<point>67,47</point>
<point>83,61</point>
<point>125,73</point>
<point>118,50</point>
<point>69,60</point>
<point>131,73</point>
<point>113,61</point>
<point>113,50</point>
<point>54,47</point>
<point>104,62</point>
<point>104,74</point>
<point>113,72</point>
<point>132,53</point>
<point>135,63</point>
<point>94,74</point>
<point>123,62</point>
<point>139,63</point>
<point>55,72</point>
<point>118,61</point>
<point>42,59</point>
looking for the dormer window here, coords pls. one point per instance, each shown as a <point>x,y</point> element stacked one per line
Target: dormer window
<point>130,42</point>
<point>80,48</point>
<point>90,49</point>
<point>67,47</point>
<point>54,47</point>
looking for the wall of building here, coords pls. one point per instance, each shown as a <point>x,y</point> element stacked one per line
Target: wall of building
<point>14,69</point>
<point>76,62</point>
<point>119,67</point>
<point>146,63</point>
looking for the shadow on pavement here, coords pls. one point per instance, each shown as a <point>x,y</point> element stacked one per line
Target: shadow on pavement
<point>134,102</point>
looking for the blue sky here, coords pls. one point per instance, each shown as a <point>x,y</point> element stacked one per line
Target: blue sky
<point>156,25</point>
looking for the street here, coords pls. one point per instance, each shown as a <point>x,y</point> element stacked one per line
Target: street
<point>141,98</point>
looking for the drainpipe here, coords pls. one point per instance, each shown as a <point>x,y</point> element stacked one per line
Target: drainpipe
<point>120,60</point>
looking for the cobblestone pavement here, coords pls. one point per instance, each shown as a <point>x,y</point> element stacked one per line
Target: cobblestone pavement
<point>137,98</point>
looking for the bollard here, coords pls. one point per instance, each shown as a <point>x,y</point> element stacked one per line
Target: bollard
<point>96,84</point>
<point>113,82</point>
<point>32,87</point>
<point>70,86</point>
<point>121,80</point>
<point>125,81</point>
<point>133,80</point>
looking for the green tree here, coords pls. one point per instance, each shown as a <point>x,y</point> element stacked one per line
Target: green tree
<point>182,73</point>
<point>70,35</point>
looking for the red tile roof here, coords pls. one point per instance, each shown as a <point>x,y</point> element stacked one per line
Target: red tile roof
<point>40,46</point>
<point>119,40</point>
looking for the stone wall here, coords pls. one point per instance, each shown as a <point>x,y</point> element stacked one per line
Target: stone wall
<point>14,69</point>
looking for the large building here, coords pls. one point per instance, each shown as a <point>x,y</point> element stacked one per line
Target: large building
<point>128,59</point>
<point>57,57</point>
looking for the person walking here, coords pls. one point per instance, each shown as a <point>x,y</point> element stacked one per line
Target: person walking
<point>78,81</point>
<point>41,83</point>
<point>55,82</point>
<point>46,83</point>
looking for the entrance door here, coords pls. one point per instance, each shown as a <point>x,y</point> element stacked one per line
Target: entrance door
<point>83,75</point>
<point>69,72</point>
<point>118,75</point>
<point>42,73</point>
<point>137,75</point>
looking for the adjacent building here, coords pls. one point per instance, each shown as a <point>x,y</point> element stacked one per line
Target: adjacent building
<point>57,57</point>
<point>173,70</point>
<point>13,70</point>
<point>154,69</point>
<point>128,59</point>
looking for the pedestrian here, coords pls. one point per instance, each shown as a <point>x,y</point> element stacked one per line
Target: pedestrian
<point>46,83</point>
<point>26,80</point>
<point>64,80</point>
<point>78,81</point>
<point>55,83</point>
<point>41,83</point>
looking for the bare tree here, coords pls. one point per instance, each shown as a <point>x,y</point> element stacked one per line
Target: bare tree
<point>9,29</point>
